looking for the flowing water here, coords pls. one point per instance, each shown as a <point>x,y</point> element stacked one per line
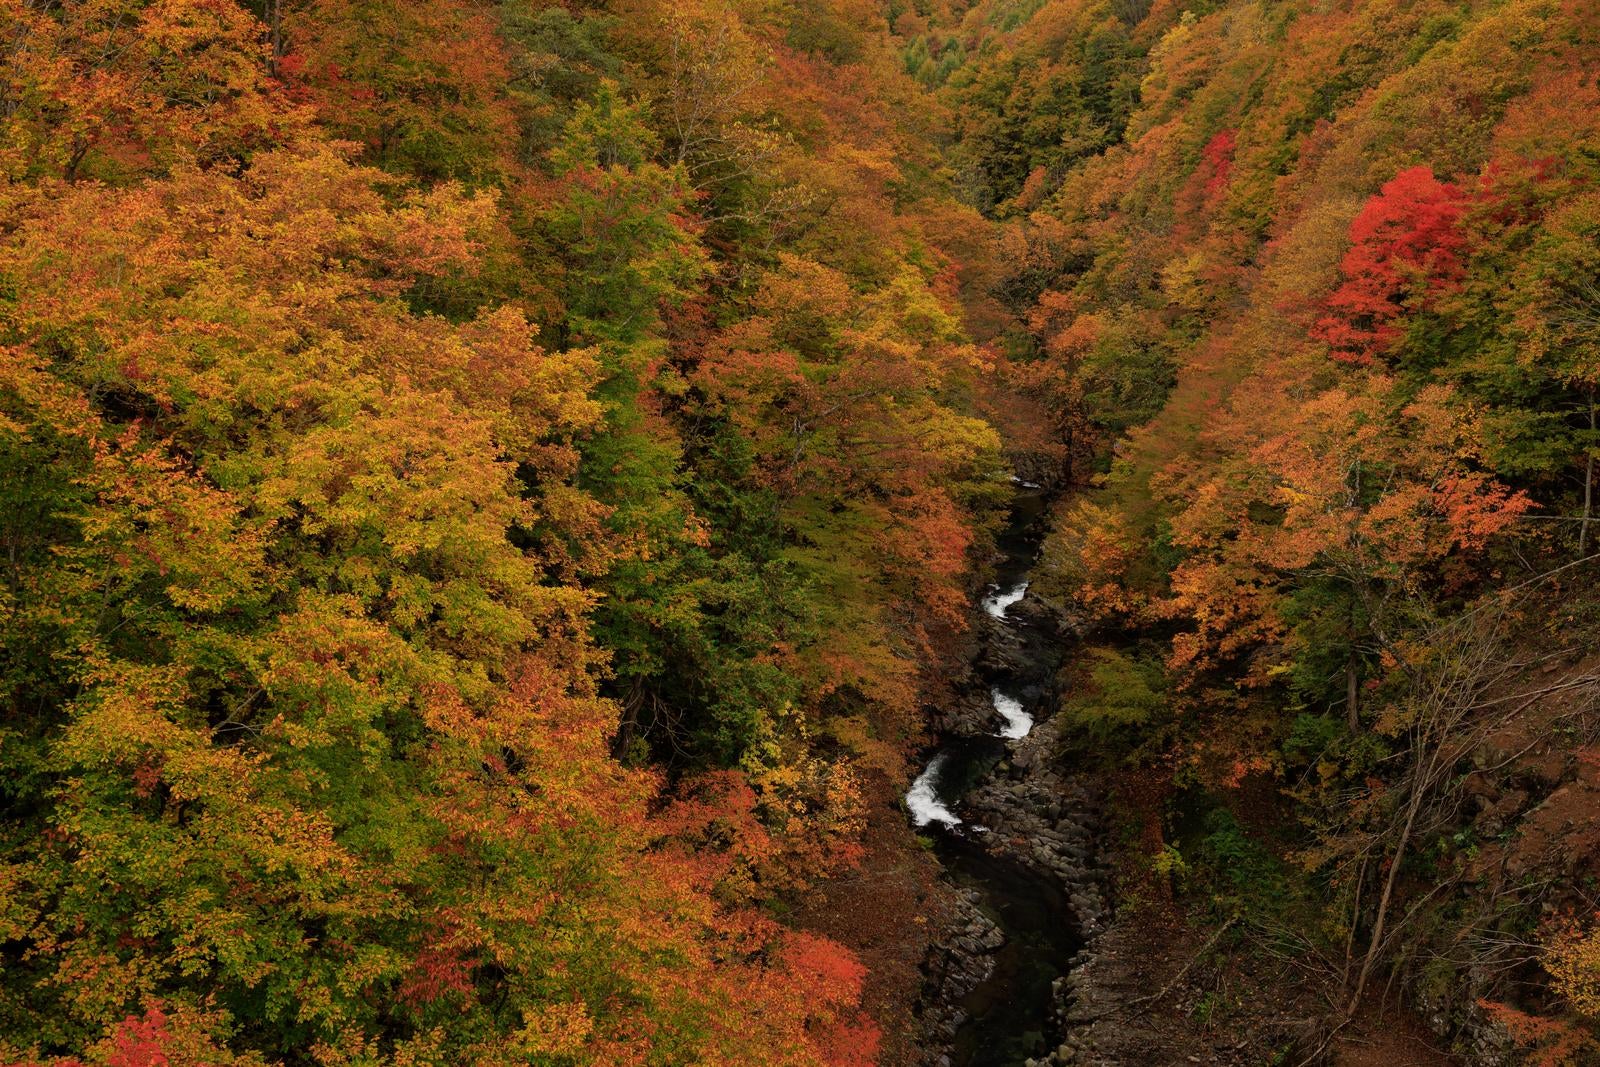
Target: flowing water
<point>923,797</point>
<point>999,602</point>
<point>1007,1013</point>
<point>1009,708</point>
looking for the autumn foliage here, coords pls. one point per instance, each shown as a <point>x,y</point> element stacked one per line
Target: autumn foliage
<point>481,487</point>
<point>1404,245</point>
<point>486,490</point>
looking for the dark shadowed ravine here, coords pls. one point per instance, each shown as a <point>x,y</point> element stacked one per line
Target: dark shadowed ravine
<point>1008,1014</point>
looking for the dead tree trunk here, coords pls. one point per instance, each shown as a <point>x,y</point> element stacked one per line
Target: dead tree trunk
<point>1588,485</point>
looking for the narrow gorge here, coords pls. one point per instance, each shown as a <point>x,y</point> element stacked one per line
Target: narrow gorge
<point>1015,833</point>
<point>799,533</point>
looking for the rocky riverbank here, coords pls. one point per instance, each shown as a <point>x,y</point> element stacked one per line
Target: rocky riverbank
<point>956,964</point>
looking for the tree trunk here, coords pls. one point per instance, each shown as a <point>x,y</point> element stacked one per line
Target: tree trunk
<point>1588,486</point>
<point>1352,686</point>
<point>627,723</point>
<point>277,35</point>
<point>1355,921</point>
<point>1352,663</point>
<point>1418,792</point>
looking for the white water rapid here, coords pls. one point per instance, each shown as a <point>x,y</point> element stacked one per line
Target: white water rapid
<point>923,799</point>
<point>1018,722</point>
<point>1000,600</point>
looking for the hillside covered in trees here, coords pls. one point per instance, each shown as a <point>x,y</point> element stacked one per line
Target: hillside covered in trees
<point>494,493</point>
<point>478,482</point>
<point>1310,293</point>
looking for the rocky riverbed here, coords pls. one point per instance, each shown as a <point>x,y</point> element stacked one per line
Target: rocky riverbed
<point>1027,814</point>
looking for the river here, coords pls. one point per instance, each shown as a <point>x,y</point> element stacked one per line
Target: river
<point>1008,1014</point>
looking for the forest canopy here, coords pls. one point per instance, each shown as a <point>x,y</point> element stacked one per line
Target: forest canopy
<point>480,482</point>
<point>490,490</point>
